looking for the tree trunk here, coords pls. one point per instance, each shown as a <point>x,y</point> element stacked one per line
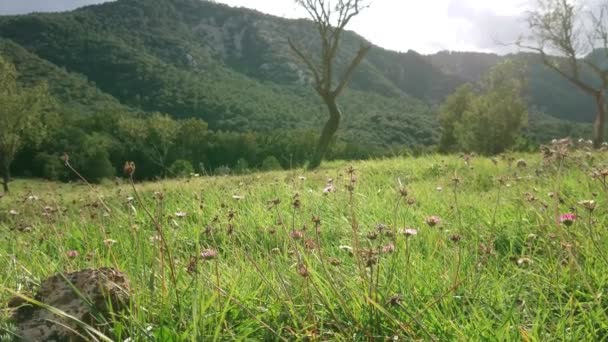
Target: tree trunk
<point>6,176</point>
<point>330,128</point>
<point>598,126</point>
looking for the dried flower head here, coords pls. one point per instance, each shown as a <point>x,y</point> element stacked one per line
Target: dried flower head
<point>523,262</point>
<point>432,221</point>
<point>410,232</point>
<point>109,242</point>
<point>455,238</point>
<point>303,271</point>
<point>65,158</point>
<point>335,261</point>
<point>72,254</point>
<point>588,204</point>
<point>296,234</point>
<point>129,168</point>
<point>209,254</point>
<point>389,248</point>
<point>394,300</point>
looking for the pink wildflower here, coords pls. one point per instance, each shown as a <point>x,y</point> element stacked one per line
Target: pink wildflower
<point>567,219</point>
<point>72,254</point>
<point>432,221</point>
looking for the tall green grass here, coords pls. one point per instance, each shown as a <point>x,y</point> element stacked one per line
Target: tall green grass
<point>297,262</point>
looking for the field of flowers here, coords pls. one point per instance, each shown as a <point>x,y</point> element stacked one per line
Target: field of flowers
<point>436,248</point>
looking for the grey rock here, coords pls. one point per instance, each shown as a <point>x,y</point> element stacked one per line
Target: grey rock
<point>105,289</point>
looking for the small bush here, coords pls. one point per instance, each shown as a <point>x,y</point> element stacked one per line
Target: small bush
<point>271,163</point>
<point>181,168</point>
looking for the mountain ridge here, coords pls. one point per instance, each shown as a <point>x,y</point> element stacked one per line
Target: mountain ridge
<point>232,67</point>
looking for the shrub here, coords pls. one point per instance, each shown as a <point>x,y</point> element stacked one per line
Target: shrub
<point>271,163</point>
<point>181,168</point>
<point>49,167</point>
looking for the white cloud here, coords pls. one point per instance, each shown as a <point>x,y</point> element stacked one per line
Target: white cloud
<point>426,26</point>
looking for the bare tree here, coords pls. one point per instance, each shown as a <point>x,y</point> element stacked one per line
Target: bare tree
<point>330,19</point>
<point>565,35</point>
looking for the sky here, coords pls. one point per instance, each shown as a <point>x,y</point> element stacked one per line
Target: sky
<point>425,26</point>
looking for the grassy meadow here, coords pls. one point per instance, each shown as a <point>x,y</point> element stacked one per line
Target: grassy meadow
<point>435,248</point>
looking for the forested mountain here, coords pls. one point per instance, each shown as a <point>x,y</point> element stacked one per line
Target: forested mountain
<point>232,67</point>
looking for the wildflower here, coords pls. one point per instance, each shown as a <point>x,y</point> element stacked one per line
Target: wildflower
<point>372,235</point>
<point>567,219</point>
<point>303,271</point>
<point>129,168</point>
<point>297,234</point>
<point>310,244</point>
<point>72,254</point>
<point>522,262</point>
<point>209,254</point>
<point>65,158</point>
<point>329,188</point>
<point>389,248</point>
<point>455,238</point>
<point>273,203</point>
<point>410,232</point>
<point>192,265</point>
<point>394,300</point>
<point>335,261</point>
<point>109,242</point>
<point>588,204</point>
<point>180,214</point>
<point>296,204</point>
<point>432,221</point>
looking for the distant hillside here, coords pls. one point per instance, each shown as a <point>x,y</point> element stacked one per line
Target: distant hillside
<point>547,91</point>
<point>233,68</point>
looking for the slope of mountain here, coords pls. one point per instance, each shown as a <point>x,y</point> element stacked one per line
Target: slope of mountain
<point>547,91</point>
<point>233,68</point>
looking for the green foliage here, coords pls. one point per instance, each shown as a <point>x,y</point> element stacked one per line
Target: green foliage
<point>271,163</point>
<point>489,122</point>
<point>94,160</point>
<point>49,166</point>
<point>24,116</point>
<point>242,166</point>
<point>181,168</point>
<point>451,113</point>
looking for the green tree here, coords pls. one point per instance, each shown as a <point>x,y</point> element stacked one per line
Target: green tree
<point>271,163</point>
<point>452,112</point>
<point>488,122</point>
<point>153,136</point>
<point>23,117</point>
<point>181,168</point>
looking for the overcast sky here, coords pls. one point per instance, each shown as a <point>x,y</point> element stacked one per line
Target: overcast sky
<point>425,26</point>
